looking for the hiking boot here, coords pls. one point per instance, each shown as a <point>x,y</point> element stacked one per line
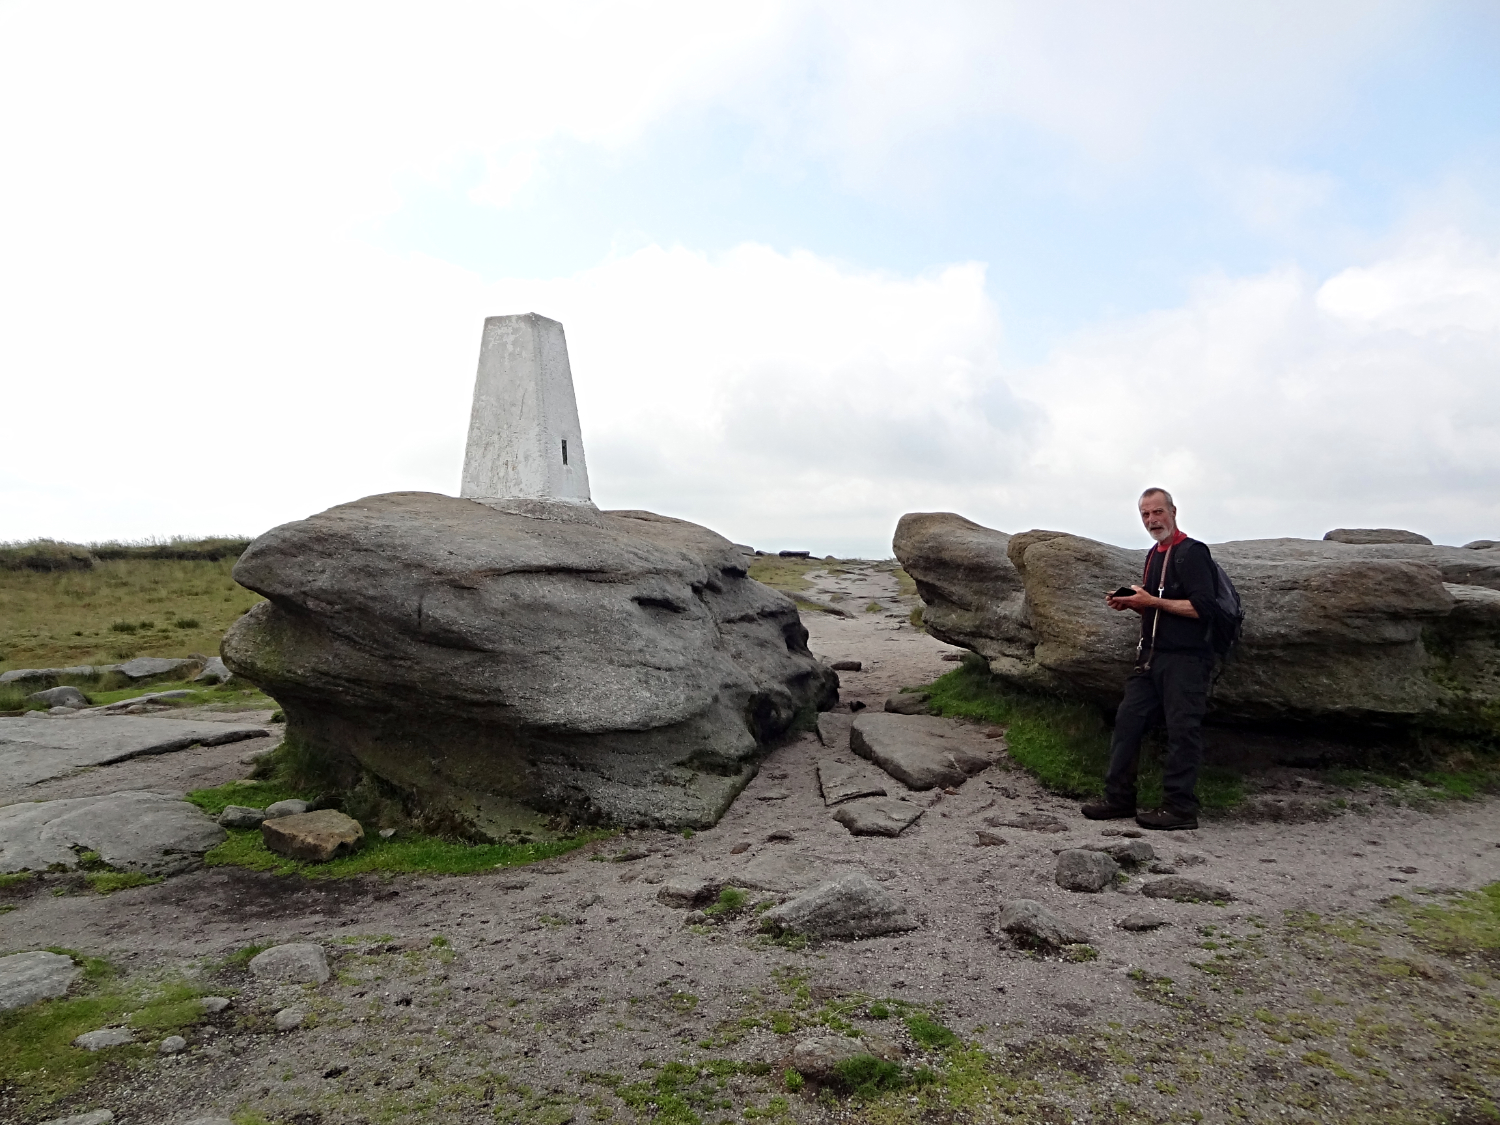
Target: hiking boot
<point>1168,820</point>
<point>1103,810</point>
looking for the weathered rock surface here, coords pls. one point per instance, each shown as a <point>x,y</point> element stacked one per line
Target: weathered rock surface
<point>35,747</point>
<point>132,831</point>
<point>59,697</point>
<point>290,1018</point>
<point>172,1045</point>
<point>94,1117</point>
<point>1027,822</point>
<point>292,806</point>
<point>689,890</point>
<point>105,1037</point>
<point>1348,633</point>
<point>1034,926</point>
<point>851,905</point>
<point>1183,889</point>
<point>315,837</point>
<point>818,1058</point>
<point>26,978</point>
<point>1140,922</point>
<point>153,667</point>
<point>1079,869</point>
<point>1374,535</point>
<point>622,669</point>
<point>297,962</point>
<point>1127,851</point>
<point>214,671</point>
<point>833,729</point>
<point>921,751</point>
<point>883,816</point>
<point>782,871</point>
<point>908,703</point>
<point>840,782</point>
<point>241,816</point>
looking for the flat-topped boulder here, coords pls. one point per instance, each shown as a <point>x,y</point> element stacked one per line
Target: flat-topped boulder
<point>920,751</point>
<point>503,671</point>
<point>1368,633</point>
<point>133,831</point>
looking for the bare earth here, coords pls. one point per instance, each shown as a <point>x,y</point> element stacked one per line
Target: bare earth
<point>561,992</point>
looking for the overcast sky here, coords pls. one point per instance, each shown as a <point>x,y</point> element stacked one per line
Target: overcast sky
<point>819,264</point>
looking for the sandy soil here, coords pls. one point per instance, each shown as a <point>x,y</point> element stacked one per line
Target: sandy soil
<point>560,992</point>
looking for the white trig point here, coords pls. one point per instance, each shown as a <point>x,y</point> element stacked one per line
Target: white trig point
<point>524,440</point>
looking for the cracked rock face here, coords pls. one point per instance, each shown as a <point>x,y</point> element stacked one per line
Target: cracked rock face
<point>496,669</point>
<point>1370,633</point>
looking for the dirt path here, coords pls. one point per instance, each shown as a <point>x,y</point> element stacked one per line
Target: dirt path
<point>567,992</point>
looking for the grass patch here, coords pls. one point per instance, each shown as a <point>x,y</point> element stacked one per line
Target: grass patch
<point>38,1062</point>
<point>61,617</point>
<point>929,1033</point>
<point>786,575</point>
<point>1062,742</point>
<point>414,853</point>
<point>730,900</point>
<point>1470,923</point>
<point>254,794</point>
<point>107,882</point>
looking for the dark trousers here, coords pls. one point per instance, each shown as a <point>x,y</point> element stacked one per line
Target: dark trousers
<point>1174,688</point>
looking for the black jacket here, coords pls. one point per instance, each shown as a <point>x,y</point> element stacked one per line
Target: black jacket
<point>1190,575</point>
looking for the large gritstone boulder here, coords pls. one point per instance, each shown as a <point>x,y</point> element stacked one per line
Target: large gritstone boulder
<point>497,669</point>
<point>1335,633</point>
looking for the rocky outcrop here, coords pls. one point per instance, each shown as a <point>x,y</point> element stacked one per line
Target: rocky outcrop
<point>1364,633</point>
<point>496,669</point>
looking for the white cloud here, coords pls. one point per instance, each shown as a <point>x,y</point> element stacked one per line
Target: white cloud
<point>1453,285</point>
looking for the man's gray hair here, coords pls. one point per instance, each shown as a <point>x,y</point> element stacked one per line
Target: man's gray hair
<point>1170,503</point>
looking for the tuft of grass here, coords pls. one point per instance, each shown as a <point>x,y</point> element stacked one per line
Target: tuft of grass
<point>730,900</point>
<point>107,882</point>
<point>1469,923</point>
<point>874,607</point>
<point>254,794</point>
<point>1063,743</point>
<point>929,1033</point>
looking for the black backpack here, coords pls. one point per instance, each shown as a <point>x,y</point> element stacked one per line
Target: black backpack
<point>1228,617</point>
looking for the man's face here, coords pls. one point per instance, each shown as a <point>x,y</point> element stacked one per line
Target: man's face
<point>1160,520</point>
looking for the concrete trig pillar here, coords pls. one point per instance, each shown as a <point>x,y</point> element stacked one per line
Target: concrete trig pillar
<point>525,451</point>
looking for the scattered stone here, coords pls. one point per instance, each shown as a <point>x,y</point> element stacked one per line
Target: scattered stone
<point>1374,535</point>
<point>96,1117</point>
<point>782,870</point>
<point>839,782</point>
<point>741,848</point>
<point>773,795</point>
<point>780,836</point>
<point>131,831</point>
<point>149,667</point>
<point>989,838</point>
<point>1183,889</point>
<point>172,1045</point>
<point>1079,869</point>
<point>847,666</point>
<point>856,705</point>
<point>908,703</point>
<point>289,1018</point>
<point>35,747</point>
<point>921,751</point>
<point>59,697</point>
<point>213,672</point>
<point>1189,859</point>
<point>26,978</point>
<point>794,554</point>
<point>833,729</point>
<point>952,656</point>
<point>1407,870</point>
<point>881,816</point>
<point>688,890</point>
<point>1027,822</point>
<point>241,816</point>
<point>298,962</point>
<point>387,833</point>
<point>1141,922</point>
<point>818,1058</point>
<point>1129,851</point>
<point>850,905</point>
<point>105,1037</point>
<point>212,1004</point>
<point>1035,926</point>
<point>1160,868</point>
<point>315,837</point>
<point>694,918</point>
<point>1132,833</point>
<point>290,807</point>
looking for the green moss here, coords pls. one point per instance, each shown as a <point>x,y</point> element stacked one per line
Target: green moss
<point>1469,923</point>
<point>254,794</point>
<point>106,882</point>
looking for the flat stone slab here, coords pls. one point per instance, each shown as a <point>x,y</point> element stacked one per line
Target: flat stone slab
<point>1183,889</point>
<point>133,831</point>
<point>842,782</point>
<point>1027,822</point>
<point>36,747</point>
<point>781,871</point>
<point>833,729</point>
<point>105,1037</point>
<point>920,751</point>
<point>315,837</point>
<point>26,978</point>
<point>883,816</point>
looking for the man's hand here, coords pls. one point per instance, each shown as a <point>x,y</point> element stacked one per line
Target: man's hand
<point>1138,601</point>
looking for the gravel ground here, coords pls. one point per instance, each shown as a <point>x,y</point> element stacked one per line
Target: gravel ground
<point>567,992</point>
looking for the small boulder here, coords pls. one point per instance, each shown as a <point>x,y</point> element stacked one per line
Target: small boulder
<point>213,672</point>
<point>213,1004</point>
<point>882,816</point>
<point>289,1018</point>
<point>846,665</point>
<point>172,1045</point>
<point>297,962</point>
<point>688,890</point>
<point>59,697</point>
<point>989,838</point>
<point>241,816</point>
<point>149,667</point>
<point>818,1058</point>
<point>26,978</point>
<point>1140,922</point>
<point>908,703</point>
<point>105,1037</point>
<point>1482,544</point>
<point>1375,535</point>
<point>1034,926</point>
<point>1127,851</point>
<point>850,905</point>
<point>95,1117</point>
<point>1183,889</point>
<point>1079,869</point>
<point>290,807</point>
<point>315,837</point>
<point>1028,822</point>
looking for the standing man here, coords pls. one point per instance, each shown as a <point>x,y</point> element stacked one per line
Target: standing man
<point>1174,664</point>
